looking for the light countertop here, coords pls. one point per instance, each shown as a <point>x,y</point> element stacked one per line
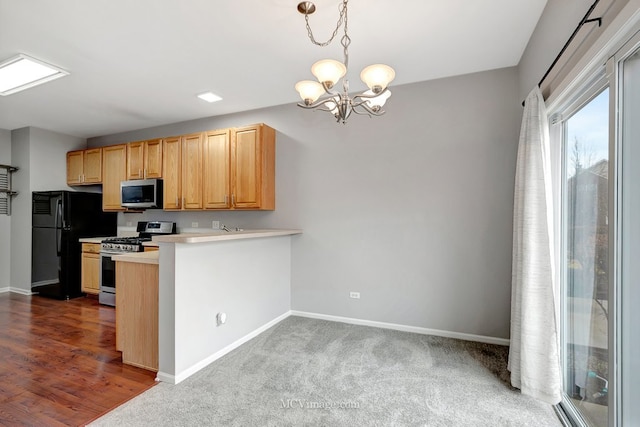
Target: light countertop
<point>138,257</point>
<point>100,239</point>
<point>94,239</point>
<point>206,237</point>
<point>222,235</point>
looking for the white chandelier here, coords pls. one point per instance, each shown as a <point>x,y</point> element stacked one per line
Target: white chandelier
<point>319,94</point>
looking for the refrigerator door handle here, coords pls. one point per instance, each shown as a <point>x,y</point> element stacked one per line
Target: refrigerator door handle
<point>58,228</point>
<point>62,213</point>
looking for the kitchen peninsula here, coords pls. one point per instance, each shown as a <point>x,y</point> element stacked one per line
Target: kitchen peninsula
<point>243,276</point>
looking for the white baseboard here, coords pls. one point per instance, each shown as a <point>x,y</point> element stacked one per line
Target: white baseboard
<point>404,328</point>
<point>171,379</point>
<point>165,378</point>
<point>16,291</point>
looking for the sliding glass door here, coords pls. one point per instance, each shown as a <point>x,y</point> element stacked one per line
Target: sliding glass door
<point>628,233</point>
<point>600,245</point>
<point>585,294</point>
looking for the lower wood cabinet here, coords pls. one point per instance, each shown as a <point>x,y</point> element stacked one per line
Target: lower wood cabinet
<point>137,314</point>
<point>90,266</point>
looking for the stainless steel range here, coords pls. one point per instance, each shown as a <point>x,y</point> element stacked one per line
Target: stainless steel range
<point>121,245</point>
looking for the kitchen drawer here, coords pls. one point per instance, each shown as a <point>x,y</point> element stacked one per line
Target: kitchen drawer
<point>92,248</point>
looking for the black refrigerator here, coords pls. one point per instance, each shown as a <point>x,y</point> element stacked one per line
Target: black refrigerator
<point>59,220</point>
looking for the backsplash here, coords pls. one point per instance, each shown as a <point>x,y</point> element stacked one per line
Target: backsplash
<point>200,221</point>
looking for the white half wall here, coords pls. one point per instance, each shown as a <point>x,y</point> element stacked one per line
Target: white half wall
<point>5,221</point>
<point>249,280</point>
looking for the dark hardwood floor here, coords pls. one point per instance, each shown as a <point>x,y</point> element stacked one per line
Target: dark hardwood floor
<point>58,363</point>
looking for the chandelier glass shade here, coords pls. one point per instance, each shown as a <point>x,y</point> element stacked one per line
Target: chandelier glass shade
<point>321,94</point>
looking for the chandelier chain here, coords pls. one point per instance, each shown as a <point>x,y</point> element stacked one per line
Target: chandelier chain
<point>341,19</point>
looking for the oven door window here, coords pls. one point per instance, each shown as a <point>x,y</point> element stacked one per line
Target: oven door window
<point>108,272</point>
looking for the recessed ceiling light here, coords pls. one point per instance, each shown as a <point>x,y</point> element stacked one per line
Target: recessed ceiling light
<point>22,72</point>
<point>209,97</point>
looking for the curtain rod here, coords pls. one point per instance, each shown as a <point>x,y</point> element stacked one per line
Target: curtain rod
<point>584,20</point>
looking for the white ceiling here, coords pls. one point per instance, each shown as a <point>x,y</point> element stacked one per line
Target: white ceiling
<point>139,63</point>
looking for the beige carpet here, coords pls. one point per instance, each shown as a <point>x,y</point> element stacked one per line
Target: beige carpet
<point>318,373</point>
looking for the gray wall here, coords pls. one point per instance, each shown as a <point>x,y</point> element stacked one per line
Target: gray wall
<point>41,157</point>
<point>412,209</point>
<point>21,215</point>
<point>557,23</point>
<point>5,221</point>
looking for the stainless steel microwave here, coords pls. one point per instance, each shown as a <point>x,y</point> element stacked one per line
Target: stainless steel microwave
<point>141,193</point>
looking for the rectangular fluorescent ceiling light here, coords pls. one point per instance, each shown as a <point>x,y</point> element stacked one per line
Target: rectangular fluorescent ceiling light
<point>209,97</point>
<point>22,72</point>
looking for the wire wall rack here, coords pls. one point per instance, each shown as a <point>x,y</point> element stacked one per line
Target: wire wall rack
<point>6,192</point>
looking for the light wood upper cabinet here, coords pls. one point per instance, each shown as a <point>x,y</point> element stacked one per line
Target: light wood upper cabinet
<point>114,160</point>
<point>84,167</point>
<point>192,171</point>
<point>220,169</point>
<point>216,163</point>
<point>253,167</point>
<point>135,160</point>
<point>172,173</point>
<point>153,158</point>
<point>144,159</point>
<point>92,166</point>
<point>75,167</point>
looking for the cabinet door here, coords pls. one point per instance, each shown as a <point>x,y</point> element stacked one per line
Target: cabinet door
<point>75,167</point>
<point>192,171</point>
<point>90,277</point>
<point>172,173</point>
<point>216,180</point>
<point>93,166</point>
<point>135,160</point>
<point>153,158</point>
<point>114,161</point>
<point>253,167</point>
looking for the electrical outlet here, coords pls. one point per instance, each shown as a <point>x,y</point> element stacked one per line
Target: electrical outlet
<point>221,318</point>
<point>194,225</point>
<point>215,225</point>
<point>355,295</point>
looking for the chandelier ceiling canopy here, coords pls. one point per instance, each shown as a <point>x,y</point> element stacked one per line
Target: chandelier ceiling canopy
<point>321,94</point>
